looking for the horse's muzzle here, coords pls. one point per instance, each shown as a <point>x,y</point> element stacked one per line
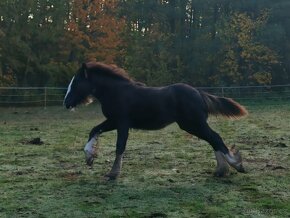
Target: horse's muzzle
<point>68,103</point>
<point>68,106</point>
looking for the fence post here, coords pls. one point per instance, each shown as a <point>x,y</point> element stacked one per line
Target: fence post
<point>223,94</point>
<point>45,96</point>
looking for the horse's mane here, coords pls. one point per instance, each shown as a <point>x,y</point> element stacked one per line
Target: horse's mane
<point>110,70</point>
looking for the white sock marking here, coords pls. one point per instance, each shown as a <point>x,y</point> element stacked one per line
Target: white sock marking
<point>89,147</point>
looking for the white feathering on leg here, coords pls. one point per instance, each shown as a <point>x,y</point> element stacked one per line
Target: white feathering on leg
<point>90,151</point>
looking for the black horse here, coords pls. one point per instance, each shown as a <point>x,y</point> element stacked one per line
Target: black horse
<point>128,104</point>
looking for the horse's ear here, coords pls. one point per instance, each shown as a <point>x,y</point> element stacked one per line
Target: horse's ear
<point>85,70</point>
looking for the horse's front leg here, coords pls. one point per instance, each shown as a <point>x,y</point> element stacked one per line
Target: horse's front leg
<point>120,148</point>
<point>90,148</point>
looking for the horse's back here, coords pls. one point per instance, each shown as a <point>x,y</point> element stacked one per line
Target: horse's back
<point>150,107</point>
<point>170,97</point>
<point>156,107</point>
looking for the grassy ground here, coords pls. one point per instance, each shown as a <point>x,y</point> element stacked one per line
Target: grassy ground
<point>166,173</point>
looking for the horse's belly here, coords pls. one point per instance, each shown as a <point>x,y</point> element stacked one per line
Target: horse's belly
<point>151,123</point>
<point>153,111</point>
<point>150,126</point>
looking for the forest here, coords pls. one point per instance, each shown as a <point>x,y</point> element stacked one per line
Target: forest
<point>158,42</point>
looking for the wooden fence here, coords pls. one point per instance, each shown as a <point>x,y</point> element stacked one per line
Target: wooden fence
<point>48,96</point>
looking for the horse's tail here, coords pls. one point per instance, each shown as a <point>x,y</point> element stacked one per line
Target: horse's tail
<point>223,106</point>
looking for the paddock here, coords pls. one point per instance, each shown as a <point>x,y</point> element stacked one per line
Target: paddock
<point>167,173</point>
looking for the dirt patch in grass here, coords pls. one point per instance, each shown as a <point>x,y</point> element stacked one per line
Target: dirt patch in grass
<point>35,141</point>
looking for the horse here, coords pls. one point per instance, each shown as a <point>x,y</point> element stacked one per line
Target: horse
<point>128,104</point>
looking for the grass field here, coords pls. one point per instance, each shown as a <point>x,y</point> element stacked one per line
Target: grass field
<point>166,173</point>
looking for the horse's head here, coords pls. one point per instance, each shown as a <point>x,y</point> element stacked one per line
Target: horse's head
<point>79,90</point>
<point>91,79</point>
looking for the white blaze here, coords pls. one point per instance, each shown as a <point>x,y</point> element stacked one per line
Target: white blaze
<point>69,88</point>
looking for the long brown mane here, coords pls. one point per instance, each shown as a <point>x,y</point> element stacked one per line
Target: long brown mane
<point>109,70</point>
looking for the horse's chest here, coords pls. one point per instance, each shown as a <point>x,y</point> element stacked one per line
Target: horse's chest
<point>110,111</point>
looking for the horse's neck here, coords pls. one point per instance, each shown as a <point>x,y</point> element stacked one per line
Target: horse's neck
<point>109,89</point>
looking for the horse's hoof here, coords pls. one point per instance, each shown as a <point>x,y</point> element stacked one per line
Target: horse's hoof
<point>240,168</point>
<point>112,175</point>
<point>221,172</point>
<point>234,159</point>
<point>89,158</point>
<point>90,161</point>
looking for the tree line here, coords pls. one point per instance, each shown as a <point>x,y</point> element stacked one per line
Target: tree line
<point>202,43</point>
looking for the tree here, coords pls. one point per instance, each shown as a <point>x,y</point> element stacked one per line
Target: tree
<point>93,30</point>
<point>45,40</point>
<point>203,43</point>
<point>171,41</point>
<point>247,61</point>
<point>32,29</point>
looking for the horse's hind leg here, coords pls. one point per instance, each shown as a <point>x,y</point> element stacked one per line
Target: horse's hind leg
<point>219,147</point>
<point>122,136</point>
<point>222,166</point>
<point>232,156</point>
<point>224,156</point>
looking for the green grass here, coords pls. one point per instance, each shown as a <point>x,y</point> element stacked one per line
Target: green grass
<point>166,173</point>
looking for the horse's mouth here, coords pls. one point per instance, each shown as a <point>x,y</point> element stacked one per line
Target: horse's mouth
<point>69,107</point>
<point>86,101</point>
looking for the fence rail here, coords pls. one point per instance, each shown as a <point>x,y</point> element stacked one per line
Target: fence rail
<point>251,93</point>
<point>31,96</point>
<point>47,96</point>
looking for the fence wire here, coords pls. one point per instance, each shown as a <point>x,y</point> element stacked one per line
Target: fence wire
<point>31,96</point>
<point>53,96</point>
